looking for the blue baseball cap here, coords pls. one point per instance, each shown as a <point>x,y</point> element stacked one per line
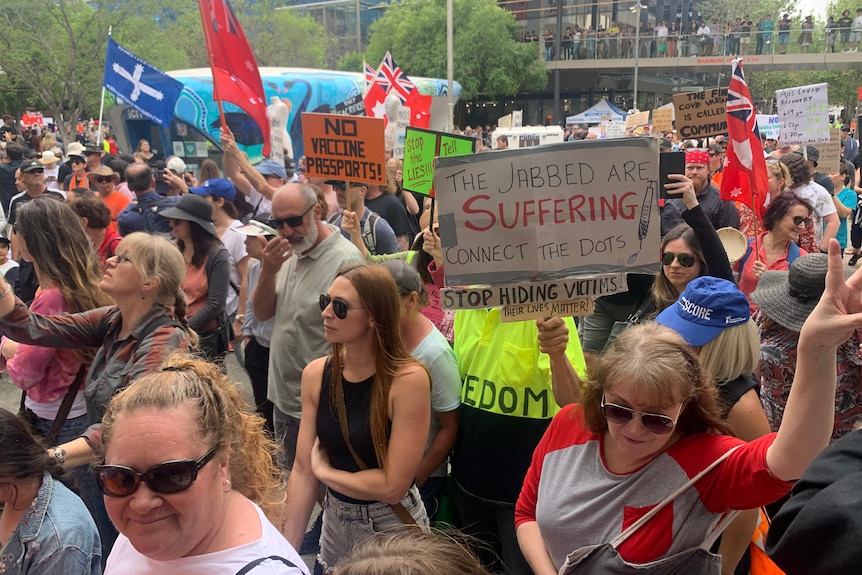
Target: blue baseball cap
<point>707,307</point>
<point>218,187</point>
<point>272,168</point>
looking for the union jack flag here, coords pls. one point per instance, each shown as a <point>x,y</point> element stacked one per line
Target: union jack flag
<point>391,78</point>
<point>369,74</point>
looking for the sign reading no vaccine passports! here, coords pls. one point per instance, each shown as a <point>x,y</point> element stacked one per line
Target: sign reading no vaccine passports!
<point>555,223</point>
<point>344,147</point>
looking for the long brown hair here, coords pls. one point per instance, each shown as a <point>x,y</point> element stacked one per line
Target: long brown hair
<point>379,295</point>
<point>663,292</point>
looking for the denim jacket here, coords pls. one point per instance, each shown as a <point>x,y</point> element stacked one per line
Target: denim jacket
<point>55,536</point>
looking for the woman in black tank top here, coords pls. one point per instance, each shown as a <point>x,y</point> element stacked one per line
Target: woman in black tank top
<point>373,392</point>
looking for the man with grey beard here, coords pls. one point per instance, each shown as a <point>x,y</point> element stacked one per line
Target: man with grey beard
<point>295,268</point>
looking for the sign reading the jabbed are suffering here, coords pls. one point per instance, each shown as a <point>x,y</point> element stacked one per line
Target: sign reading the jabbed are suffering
<point>548,213</point>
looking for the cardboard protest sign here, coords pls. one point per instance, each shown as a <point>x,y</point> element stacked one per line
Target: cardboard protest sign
<point>830,153</point>
<point>639,119</point>
<point>803,114</point>
<point>560,292</point>
<point>400,128</point>
<point>354,106</point>
<point>554,212</point>
<point>542,309</point>
<point>615,129</point>
<point>701,114</point>
<point>344,147</point>
<point>768,126</point>
<point>662,119</point>
<point>421,147</point>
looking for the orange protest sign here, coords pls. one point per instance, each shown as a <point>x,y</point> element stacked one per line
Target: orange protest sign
<point>347,148</point>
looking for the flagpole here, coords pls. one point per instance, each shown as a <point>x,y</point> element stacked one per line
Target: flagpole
<point>102,101</point>
<point>212,68</point>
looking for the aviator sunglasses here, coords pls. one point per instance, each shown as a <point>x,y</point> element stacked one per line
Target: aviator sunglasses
<point>654,422</point>
<point>685,260</point>
<point>339,306</point>
<point>292,221</point>
<point>165,478</point>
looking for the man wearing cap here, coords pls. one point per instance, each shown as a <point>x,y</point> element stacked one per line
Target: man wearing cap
<point>377,234</point>
<point>295,269</point>
<point>142,213</point>
<point>105,180</point>
<point>849,145</point>
<point>93,155</point>
<point>256,334</point>
<point>720,213</point>
<point>257,183</point>
<point>9,164</point>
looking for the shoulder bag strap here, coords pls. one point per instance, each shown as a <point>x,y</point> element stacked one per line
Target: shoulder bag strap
<point>340,407</point>
<point>620,539</point>
<point>63,412</point>
<point>257,562</point>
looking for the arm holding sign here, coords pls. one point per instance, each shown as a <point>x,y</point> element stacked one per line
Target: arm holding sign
<point>239,170</point>
<point>554,340</point>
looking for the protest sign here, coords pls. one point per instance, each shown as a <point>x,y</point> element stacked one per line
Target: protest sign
<point>542,309</point>
<point>344,147</point>
<point>662,119</point>
<point>803,114</point>
<point>513,295</point>
<point>768,126</point>
<point>549,213</point>
<point>639,119</point>
<point>616,129</point>
<point>354,106</point>
<point>420,149</point>
<point>830,153</point>
<point>701,114</point>
<point>400,129</point>
<point>599,131</point>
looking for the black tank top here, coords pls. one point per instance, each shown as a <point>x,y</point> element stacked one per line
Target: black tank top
<point>357,401</point>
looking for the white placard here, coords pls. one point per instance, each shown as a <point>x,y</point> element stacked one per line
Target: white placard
<point>768,126</point>
<point>803,114</point>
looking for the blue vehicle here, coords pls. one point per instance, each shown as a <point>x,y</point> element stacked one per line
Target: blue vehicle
<point>194,133</point>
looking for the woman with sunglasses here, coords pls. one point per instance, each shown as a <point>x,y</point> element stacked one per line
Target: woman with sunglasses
<point>78,177</point>
<point>188,477</point>
<point>365,418</point>
<point>689,250</point>
<point>133,337</point>
<point>784,220</point>
<point>207,278</point>
<point>647,442</point>
<point>45,529</point>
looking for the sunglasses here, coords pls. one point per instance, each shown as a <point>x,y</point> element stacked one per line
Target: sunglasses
<point>165,478</point>
<point>104,179</point>
<point>339,306</point>
<point>653,422</point>
<point>685,260</point>
<point>78,161</point>
<point>801,220</point>
<point>292,221</point>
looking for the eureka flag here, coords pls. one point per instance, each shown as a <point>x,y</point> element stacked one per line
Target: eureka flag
<point>144,87</point>
<point>744,178</point>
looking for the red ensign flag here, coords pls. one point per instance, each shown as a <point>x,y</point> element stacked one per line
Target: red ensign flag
<point>744,178</point>
<point>236,78</point>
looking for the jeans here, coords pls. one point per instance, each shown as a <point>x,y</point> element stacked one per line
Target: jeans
<point>345,525</point>
<point>431,492</point>
<point>286,434</point>
<point>493,523</point>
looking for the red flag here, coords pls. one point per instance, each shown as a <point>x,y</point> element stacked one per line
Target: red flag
<point>420,109</point>
<point>236,78</point>
<point>744,178</point>
<point>374,98</point>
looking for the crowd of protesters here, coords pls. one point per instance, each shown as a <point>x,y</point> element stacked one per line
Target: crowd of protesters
<point>135,278</point>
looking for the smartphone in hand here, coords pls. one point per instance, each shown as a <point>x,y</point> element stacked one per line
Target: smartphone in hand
<point>669,163</point>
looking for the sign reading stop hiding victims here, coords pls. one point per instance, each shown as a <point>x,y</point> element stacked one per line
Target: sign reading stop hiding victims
<point>349,148</point>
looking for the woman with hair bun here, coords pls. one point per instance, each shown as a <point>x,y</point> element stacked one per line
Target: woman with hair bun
<point>189,478</point>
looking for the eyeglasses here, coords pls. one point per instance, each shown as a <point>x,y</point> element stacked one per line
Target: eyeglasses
<point>104,179</point>
<point>653,422</point>
<point>339,306</point>
<point>165,478</point>
<point>685,260</point>
<point>801,220</point>
<point>292,221</point>
<point>121,258</point>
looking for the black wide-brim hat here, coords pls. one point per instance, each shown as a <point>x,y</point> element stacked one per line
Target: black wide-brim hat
<point>195,209</point>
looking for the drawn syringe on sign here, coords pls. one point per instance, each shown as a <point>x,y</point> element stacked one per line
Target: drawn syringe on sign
<point>643,224</point>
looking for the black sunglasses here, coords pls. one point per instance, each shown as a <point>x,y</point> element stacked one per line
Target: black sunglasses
<point>685,260</point>
<point>653,422</point>
<point>339,306</point>
<point>165,478</point>
<point>104,179</point>
<point>801,220</point>
<point>292,221</point>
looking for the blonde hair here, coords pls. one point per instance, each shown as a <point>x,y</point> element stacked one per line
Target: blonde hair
<point>225,420</point>
<point>735,352</point>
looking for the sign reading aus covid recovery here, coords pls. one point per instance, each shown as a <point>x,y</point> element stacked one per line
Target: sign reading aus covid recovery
<point>803,114</point>
<point>554,212</point>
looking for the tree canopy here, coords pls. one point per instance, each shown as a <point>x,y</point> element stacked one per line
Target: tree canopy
<point>487,58</point>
